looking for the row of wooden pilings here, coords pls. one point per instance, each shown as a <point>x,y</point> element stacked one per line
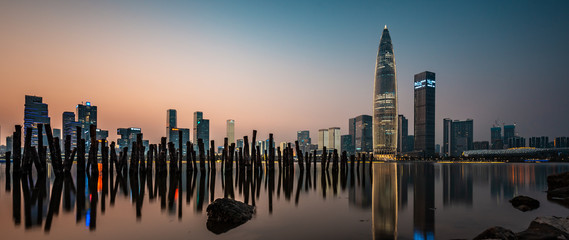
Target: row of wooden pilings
<point>248,157</point>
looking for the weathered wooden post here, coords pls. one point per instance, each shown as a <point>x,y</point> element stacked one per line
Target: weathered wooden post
<point>17,148</point>
<point>189,166</point>
<point>279,160</point>
<point>253,146</point>
<point>180,149</point>
<point>224,156</point>
<point>105,158</point>
<point>80,150</point>
<point>7,157</point>
<point>324,158</point>
<point>141,163</point>
<point>246,158</point>
<point>335,163</point>
<point>271,152</point>
<point>113,157</point>
<point>231,156</point>
<point>307,158</point>
<point>93,149</point>
<point>173,157</point>
<point>27,145</point>
<point>67,152</point>
<point>299,156</point>
<point>212,155</point>
<point>202,152</point>
<point>41,153</point>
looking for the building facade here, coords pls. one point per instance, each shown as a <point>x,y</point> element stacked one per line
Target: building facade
<point>69,126</point>
<point>230,131</point>
<point>361,130</point>
<point>35,112</point>
<point>347,144</point>
<point>457,136</point>
<point>385,101</point>
<point>304,141</point>
<point>334,139</point>
<point>496,137</point>
<point>86,116</point>
<point>323,139</point>
<point>127,137</point>
<point>425,113</point>
<point>201,130</point>
<point>402,133</point>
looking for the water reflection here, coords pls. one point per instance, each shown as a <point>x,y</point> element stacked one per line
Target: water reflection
<point>384,207</point>
<point>388,192</point>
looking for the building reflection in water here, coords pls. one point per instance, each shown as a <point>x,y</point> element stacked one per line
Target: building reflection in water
<point>457,184</point>
<point>424,201</point>
<point>384,198</point>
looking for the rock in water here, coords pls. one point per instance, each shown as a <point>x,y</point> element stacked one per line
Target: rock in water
<point>546,228</point>
<point>225,214</point>
<point>557,181</point>
<point>496,233</point>
<point>558,188</point>
<point>524,203</point>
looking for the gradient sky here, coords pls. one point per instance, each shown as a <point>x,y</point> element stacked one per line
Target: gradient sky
<point>283,66</point>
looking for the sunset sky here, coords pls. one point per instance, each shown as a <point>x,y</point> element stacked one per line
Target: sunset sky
<point>283,66</point>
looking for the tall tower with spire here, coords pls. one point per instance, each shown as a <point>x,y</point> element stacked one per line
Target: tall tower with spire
<point>385,101</point>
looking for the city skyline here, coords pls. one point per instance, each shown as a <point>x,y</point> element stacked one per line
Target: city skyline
<point>493,82</point>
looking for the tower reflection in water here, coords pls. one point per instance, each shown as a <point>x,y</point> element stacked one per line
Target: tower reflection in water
<point>384,198</point>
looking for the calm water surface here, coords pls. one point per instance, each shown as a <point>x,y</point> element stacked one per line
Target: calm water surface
<point>386,201</point>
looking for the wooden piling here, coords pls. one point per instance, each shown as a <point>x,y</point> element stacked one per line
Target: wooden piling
<point>17,148</point>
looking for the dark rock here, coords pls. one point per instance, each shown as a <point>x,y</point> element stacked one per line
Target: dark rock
<point>546,228</point>
<point>559,195</point>
<point>557,181</point>
<point>496,233</point>
<point>225,214</point>
<point>524,203</point>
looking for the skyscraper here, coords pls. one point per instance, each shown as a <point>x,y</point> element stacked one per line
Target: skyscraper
<point>230,131</point>
<point>425,113</point>
<point>304,141</point>
<point>334,139</point>
<point>458,136</point>
<point>171,121</point>
<point>347,144</point>
<point>360,128</point>
<point>201,130</point>
<point>509,132</point>
<point>385,101</point>
<point>447,137</point>
<point>322,139</point>
<point>69,126</point>
<point>35,112</point>
<point>402,132</point>
<point>86,116</point>
<point>128,136</point>
<point>496,137</point>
